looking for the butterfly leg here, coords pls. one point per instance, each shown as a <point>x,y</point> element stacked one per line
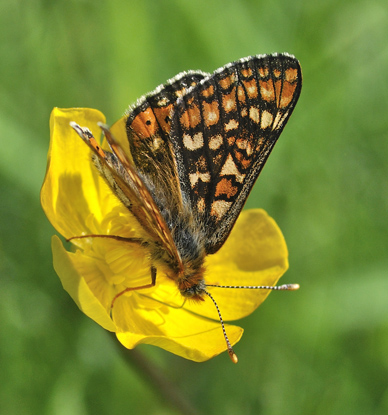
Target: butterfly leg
<point>141,287</point>
<point>115,237</point>
<point>137,241</point>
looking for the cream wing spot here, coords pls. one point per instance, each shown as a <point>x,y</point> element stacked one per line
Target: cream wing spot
<point>219,208</point>
<point>252,91</point>
<point>266,119</point>
<point>195,177</point>
<point>254,114</point>
<point>212,117</point>
<point>215,142</point>
<point>193,142</point>
<point>249,150</point>
<point>230,169</point>
<point>231,125</point>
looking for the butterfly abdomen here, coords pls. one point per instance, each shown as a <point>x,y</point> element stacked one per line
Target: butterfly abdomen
<point>189,239</point>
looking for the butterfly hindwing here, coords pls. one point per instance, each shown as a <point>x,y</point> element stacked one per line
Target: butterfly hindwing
<point>223,131</point>
<point>148,127</point>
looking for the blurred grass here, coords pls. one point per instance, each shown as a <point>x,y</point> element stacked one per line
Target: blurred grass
<point>322,350</point>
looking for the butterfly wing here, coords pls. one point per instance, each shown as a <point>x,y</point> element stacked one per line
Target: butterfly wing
<point>148,127</point>
<point>222,132</point>
<point>126,184</point>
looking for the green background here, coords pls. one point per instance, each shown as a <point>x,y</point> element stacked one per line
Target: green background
<point>321,350</point>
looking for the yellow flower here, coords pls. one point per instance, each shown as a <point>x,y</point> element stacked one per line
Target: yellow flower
<point>77,201</point>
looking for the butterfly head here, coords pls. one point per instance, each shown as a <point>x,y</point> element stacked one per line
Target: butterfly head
<point>195,291</point>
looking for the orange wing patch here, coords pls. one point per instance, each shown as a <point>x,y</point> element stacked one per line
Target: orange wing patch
<point>229,80</point>
<point>208,92</point>
<point>211,113</point>
<point>226,188</point>
<point>229,101</point>
<point>267,91</point>
<point>163,116</point>
<point>263,71</point>
<point>251,88</point>
<point>191,117</point>
<point>288,92</point>
<point>145,123</point>
<point>241,94</point>
<point>247,73</point>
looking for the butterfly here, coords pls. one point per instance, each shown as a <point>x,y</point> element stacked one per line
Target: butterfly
<point>196,147</point>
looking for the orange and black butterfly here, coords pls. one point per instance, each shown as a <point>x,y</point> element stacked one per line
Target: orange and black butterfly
<point>197,145</point>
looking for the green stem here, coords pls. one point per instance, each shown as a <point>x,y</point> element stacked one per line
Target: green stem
<point>154,376</point>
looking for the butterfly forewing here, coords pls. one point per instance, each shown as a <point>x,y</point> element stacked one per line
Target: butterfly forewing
<point>223,131</point>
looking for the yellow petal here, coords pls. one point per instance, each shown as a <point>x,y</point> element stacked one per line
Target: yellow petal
<point>119,132</point>
<point>68,270</point>
<point>73,193</point>
<point>140,318</point>
<point>255,253</point>
<point>181,333</point>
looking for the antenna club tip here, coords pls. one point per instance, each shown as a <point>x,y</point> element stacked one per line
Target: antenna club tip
<point>288,287</point>
<point>233,356</point>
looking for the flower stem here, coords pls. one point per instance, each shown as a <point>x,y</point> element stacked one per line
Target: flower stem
<point>153,375</point>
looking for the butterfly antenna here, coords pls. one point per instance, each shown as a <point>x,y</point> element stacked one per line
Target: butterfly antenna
<point>231,352</point>
<point>285,287</point>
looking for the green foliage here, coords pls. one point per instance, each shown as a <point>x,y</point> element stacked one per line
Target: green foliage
<point>322,350</point>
